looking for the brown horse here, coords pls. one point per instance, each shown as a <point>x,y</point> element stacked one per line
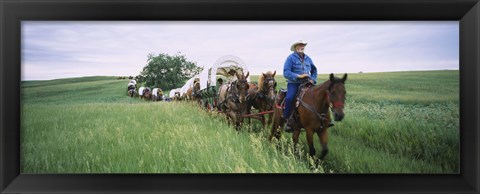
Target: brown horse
<point>189,93</point>
<point>147,94</point>
<point>195,94</point>
<point>262,96</point>
<point>192,92</point>
<point>177,97</point>
<point>233,99</point>
<point>313,112</point>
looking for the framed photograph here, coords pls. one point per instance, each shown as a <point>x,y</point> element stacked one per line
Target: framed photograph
<point>239,96</point>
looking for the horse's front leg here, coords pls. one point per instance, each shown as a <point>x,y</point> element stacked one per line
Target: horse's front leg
<point>275,126</point>
<point>323,136</point>
<point>311,148</point>
<point>249,111</point>
<point>262,118</point>
<point>232,118</point>
<point>295,135</point>
<point>270,118</point>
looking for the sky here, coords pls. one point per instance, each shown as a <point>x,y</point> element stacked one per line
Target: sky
<point>62,49</point>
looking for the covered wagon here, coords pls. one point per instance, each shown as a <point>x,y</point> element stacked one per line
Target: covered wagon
<point>223,71</point>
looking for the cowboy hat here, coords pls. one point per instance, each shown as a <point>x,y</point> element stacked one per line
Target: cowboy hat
<point>292,48</point>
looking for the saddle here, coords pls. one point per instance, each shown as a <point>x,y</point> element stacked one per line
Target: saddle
<point>280,100</point>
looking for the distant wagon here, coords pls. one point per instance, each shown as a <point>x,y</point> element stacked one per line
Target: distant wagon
<point>157,94</point>
<point>174,94</point>
<point>145,93</point>
<point>131,88</point>
<point>186,90</point>
<point>223,71</point>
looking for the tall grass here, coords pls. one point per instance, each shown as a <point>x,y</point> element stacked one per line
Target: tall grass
<point>403,122</point>
<point>142,138</point>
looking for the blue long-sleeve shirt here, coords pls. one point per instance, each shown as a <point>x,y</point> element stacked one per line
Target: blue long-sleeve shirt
<point>293,67</point>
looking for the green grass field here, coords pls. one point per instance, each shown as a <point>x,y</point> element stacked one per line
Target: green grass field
<point>402,122</point>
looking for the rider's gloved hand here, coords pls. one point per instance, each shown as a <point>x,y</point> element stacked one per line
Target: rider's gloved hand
<point>303,76</point>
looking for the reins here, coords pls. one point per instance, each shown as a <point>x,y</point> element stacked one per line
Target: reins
<point>322,115</point>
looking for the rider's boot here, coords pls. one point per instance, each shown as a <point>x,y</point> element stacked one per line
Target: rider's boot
<point>288,126</point>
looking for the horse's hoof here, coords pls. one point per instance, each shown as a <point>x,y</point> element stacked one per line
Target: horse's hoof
<point>324,153</point>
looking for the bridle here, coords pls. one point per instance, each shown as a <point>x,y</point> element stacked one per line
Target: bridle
<point>195,91</point>
<point>331,105</point>
<point>235,96</point>
<point>270,85</point>
<point>266,82</point>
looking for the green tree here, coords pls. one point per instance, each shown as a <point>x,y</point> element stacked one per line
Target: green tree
<point>168,72</point>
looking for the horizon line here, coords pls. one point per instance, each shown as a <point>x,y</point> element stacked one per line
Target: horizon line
<point>360,72</point>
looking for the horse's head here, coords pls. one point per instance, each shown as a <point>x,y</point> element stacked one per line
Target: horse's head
<point>146,91</point>
<point>268,84</point>
<point>196,88</point>
<point>242,86</point>
<point>337,95</point>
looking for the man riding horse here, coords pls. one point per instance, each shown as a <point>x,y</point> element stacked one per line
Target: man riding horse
<point>297,68</point>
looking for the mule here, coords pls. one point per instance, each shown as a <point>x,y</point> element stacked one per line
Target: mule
<point>147,93</point>
<point>196,92</point>
<point>233,99</point>
<point>313,112</point>
<point>261,97</point>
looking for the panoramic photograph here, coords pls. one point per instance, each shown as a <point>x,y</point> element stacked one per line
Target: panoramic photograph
<point>348,97</point>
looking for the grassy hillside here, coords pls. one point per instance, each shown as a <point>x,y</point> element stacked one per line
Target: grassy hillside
<point>395,122</point>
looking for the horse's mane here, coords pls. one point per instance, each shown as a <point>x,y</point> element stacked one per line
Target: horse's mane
<point>261,79</point>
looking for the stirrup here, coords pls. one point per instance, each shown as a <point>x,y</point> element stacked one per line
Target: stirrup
<point>288,128</point>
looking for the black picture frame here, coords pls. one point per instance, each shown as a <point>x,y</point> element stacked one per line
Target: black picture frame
<point>14,11</point>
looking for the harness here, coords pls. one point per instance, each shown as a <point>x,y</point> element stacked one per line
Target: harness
<point>264,93</point>
<point>321,116</point>
<point>232,90</point>
<point>233,94</point>
<point>196,93</point>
